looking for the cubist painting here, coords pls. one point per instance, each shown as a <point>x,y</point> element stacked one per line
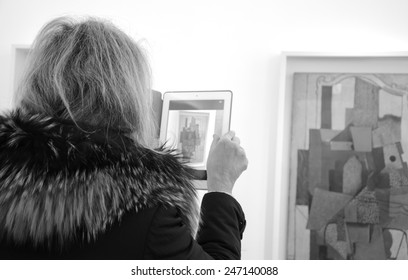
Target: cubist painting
<point>348,190</point>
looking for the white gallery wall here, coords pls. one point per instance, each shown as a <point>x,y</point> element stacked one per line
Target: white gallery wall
<point>226,44</point>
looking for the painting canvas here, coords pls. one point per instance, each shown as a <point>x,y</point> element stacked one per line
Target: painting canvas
<point>193,130</point>
<point>348,185</point>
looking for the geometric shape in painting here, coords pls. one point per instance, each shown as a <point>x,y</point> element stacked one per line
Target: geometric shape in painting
<point>336,177</point>
<point>325,205</point>
<point>399,221</point>
<point>358,232</point>
<point>378,180</point>
<point>383,196</point>
<point>403,250</point>
<point>388,131</point>
<point>331,238</point>
<point>399,198</point>
<point>302,192</point>
<point>341,228</point>
<point>327,135</point>
<point>375,250</point>
<point>326,110</point>
<point>343,136</point>
<point>389,104</point>
<point>350,212</point>
<point>397,244</point>
<point>385,182</point>
<point>368,211</point>
<point>365,111</point>
<point>316,166</point>
<point>398,208</point>
<point>396,179</point>
<point>341,146</point>
<point>369,161</point>
<point>352,176</point>
<point>392,155</point>
<point>380,138</point>
<point>342,100</point>
<point>330,254</point>
<point>317,245</point>
<point>349,116</point>
<point>361,118</point>
<point>302,240</point>
<point>404,177</point>
<point>362,138</point>
<point>378,156</point>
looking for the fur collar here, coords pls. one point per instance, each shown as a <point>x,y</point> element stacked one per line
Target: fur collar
<point>56,180</point>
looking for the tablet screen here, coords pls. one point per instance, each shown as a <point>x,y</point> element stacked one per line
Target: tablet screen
<point>190,128</point>
<point>189,122</point>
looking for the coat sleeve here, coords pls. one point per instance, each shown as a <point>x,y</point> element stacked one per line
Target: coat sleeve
<point>222,226</point>
<point>219,235</point>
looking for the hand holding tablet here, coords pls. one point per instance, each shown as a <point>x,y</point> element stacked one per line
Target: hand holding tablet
<point>226,162</point>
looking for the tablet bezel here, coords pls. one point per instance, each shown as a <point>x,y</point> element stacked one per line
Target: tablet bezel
<point>168,96</point>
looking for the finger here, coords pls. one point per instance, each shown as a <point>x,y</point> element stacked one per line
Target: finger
<point>241,152</point>
<point>229,135</point>
<point>236,140</point>
<point>243,157</point>
<point>216,139</point>
<point>246,162</point>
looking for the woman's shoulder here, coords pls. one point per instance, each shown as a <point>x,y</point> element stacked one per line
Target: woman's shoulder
<point>56,179</point>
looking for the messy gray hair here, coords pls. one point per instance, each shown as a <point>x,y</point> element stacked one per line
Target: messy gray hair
<point>89,71</point>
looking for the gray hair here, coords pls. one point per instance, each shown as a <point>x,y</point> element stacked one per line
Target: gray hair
<point>92,72</point>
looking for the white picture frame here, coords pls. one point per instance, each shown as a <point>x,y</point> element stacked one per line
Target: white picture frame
<point>292,62</point>
<point>20,55</point>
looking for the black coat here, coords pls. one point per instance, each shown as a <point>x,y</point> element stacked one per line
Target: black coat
<point>93,193</point>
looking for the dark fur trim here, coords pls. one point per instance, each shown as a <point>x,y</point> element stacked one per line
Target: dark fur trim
<point>57,180</point>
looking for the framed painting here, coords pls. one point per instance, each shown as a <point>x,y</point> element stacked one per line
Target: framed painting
<point>344,157</point>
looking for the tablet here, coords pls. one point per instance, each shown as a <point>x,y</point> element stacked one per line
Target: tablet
<point>189,121</point>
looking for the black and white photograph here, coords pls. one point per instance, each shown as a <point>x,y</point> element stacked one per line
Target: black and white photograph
<point>148,138</point>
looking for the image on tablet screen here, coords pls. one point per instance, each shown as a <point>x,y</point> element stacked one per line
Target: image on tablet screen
<point>191,125</point>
